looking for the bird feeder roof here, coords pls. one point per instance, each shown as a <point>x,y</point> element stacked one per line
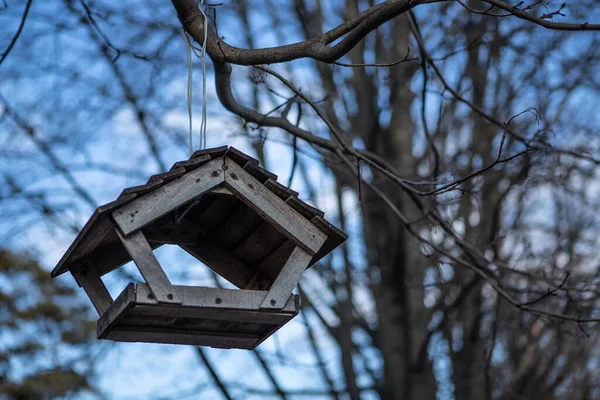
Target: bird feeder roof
<point>222,225</point>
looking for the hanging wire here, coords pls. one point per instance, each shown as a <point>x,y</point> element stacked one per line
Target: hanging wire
<point>202,56</point>
<point>188,52</point>
<point>203,62</point>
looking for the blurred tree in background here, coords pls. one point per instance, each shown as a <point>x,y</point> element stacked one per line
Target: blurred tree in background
<point>455,141</point>
<point>45,333</point>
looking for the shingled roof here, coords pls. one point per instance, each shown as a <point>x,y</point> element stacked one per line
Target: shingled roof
<point>221,221</point>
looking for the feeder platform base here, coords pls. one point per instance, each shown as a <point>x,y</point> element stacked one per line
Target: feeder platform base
<point>222,318</point>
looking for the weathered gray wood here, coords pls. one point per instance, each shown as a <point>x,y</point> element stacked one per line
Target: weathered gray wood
<point>335,237</point>
<point>168,176</point>
<point>207,317</point>
<point>91,235</point>
<point>222,262</point>
<point>239,226</point>
<point>217,314</point>
<point>272,208</point>
<point>280,190</point>
<point>140,251</point>
<point>259,173</point>
<point>259,244</point>
<point>142,189</point>
<point>274,262</point>
<point>213,152</point>
<point>170,196</point>
<point>188,337</point>
<point>122,303</point>
<point>305,209</point>
<point>194,296</point>
<point>88,278</point>
<point>296,299</point>
<point>287,280</point>
<point>192,163</point>
<point>240,158</point>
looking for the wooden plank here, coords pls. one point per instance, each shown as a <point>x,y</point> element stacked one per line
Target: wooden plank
<point>307,211</point>
<point>213,211</point>
<point>192,163</point>
<point>335,237</point>
<point>140,251</point>
<point>90,236</point>
<point>218,314</point>
<point>167,198</point>
<point>89,279</point>
<point>240,225</point>
<point>216,298</point>
<point>274,262</point>
<point>183,336</point>
<point>213,152</point>
<point>240,158</point>
<point>222,262</point>
<point>287,280</point>
<point>296,299</point>
<point>272,208</point>
<point>259,173</point>
<point>168,176</point>
<point>283,192</point>
<point>122,303</point>
<point>142,189</point>
<point>259,244</point>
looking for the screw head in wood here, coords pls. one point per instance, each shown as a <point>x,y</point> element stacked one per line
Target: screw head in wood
<point>273,302</point>
<point>150,297</point>
<point>234,176</point>
<point>170,296</point>
<point>215,173</point>
<point>218,300</point>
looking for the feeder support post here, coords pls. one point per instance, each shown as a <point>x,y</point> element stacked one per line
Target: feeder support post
<point>88,278</point>
<point>141,253</point>
<point>287,280</point>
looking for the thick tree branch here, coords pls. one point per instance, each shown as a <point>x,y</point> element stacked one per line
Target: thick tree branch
<point>352,32</point>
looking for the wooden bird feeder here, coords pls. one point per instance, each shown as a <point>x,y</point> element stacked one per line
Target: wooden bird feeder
<point>229,213</point>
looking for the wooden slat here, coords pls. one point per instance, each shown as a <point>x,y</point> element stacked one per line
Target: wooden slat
<point>240,225</point>
<point>259,244</point>
<point>187,337</point>
<point>218,314</point>
<point>269,206</point>
<point>213,211</point>
<point>222,262</point>
<point>306,210</point>
<point>287,280</point>
<point>192,163</point>
<point>133,317</point>
<point>168,176</point>
<point>274,262</point>
<point>142,189</point>
<point>296,300</point>
<point>195,296</point>
<point>280,190</point>
<point>335,237</point>
<point>140,251</point>
<point>259,173</point>
<point>91,235</point>
<point>89,279</point>
<point>167,198</point>
<point>212,152</point>
<point>122,303</point>
<point>240,158</point>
